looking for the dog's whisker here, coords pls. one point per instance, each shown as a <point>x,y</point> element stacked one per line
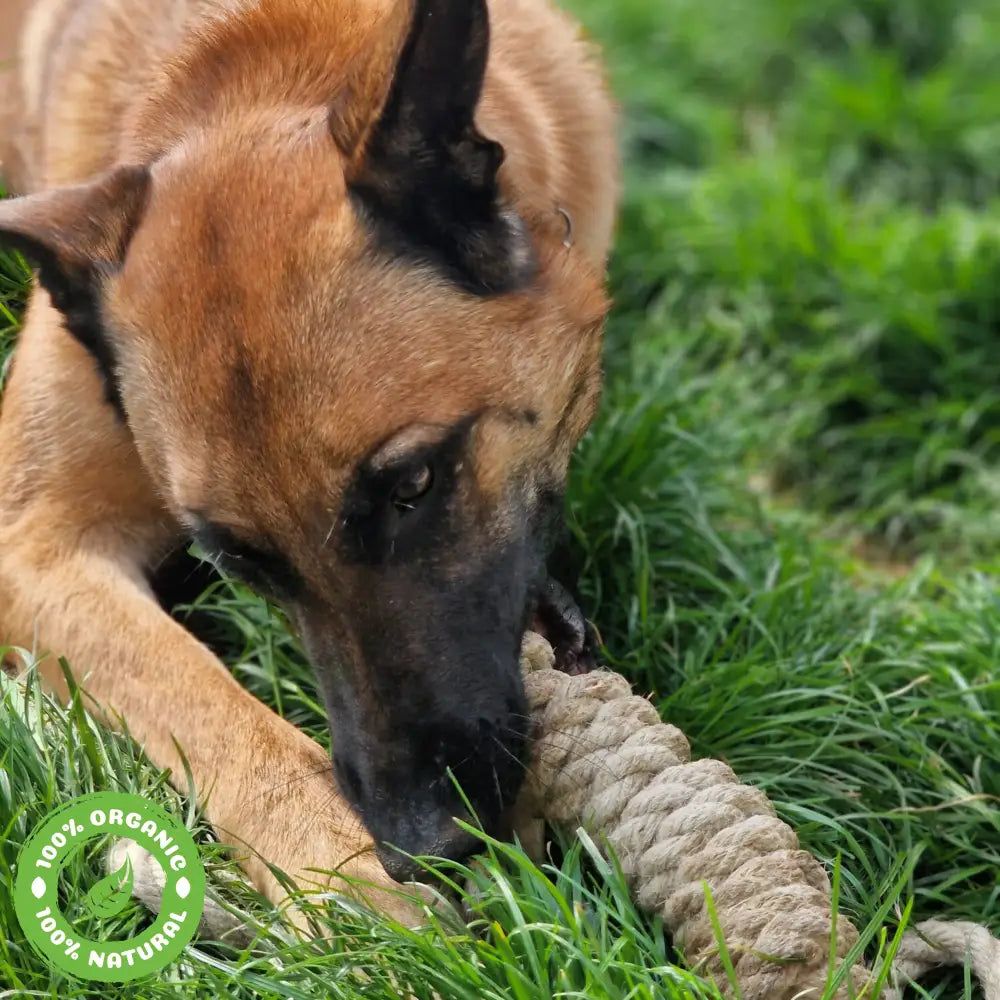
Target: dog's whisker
<point>587,747</point>
<point>517,760</point>
<point>329,534</point>
<point>580,741</point>
<point>306,775</point>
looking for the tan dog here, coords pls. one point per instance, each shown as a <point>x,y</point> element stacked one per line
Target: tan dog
<point>320,286</point>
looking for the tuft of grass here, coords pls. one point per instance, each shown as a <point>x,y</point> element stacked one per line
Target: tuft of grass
<point>812,195</point>
<point>786,513</point>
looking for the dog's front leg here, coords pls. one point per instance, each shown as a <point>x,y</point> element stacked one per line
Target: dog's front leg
<point>78,521</point>
<point>265,784</point>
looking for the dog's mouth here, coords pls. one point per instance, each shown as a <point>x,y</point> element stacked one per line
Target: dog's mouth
<point>556,616</point>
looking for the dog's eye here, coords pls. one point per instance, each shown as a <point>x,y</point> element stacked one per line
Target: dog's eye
<point>411,487</point>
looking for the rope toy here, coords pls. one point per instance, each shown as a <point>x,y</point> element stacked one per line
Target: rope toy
<point>604,760</point>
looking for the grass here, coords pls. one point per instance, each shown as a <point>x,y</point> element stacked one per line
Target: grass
<point>787,511</point>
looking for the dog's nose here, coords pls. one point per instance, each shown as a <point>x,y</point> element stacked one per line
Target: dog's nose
<point>444,840</point>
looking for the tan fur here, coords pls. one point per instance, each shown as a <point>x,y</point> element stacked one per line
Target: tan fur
<point>204,91</point>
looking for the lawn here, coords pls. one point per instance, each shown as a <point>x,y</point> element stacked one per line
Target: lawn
<point>787,512</point>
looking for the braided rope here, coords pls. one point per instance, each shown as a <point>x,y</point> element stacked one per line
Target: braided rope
<point>604,760</point>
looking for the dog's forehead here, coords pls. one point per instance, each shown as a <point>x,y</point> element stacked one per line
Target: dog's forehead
<point>301,312</point>
<point>323,333</point>
<point>234,211</point>
<point>295,392</point>
<point>268,328</point>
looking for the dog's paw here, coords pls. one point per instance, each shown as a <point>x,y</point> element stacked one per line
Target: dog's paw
<point>286,813</point>
<point>217,923</point>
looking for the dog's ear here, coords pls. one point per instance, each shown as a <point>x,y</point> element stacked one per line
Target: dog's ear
<point>426,175</point>
<point>76,235</point>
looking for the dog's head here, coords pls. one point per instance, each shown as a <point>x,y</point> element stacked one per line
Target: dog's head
<point>356,371</point>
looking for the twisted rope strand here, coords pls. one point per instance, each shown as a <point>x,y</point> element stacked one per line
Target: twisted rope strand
<point>677,825</point>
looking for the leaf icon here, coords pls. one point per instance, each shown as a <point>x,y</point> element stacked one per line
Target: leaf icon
<point>112,894</point>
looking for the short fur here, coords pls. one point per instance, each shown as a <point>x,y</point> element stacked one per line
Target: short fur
<point>305,296</point>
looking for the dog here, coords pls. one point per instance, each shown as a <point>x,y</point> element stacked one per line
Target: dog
<point>320,287</point>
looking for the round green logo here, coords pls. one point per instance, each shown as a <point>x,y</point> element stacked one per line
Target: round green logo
<point>66,830</point>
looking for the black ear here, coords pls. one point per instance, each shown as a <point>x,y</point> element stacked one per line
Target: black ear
<point>428,178</point>
<point>76,236</point>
